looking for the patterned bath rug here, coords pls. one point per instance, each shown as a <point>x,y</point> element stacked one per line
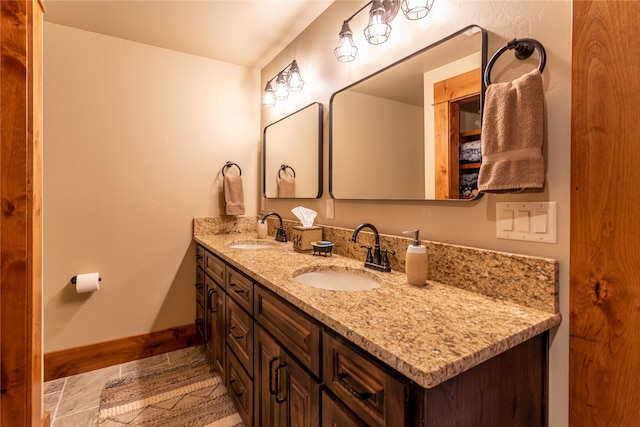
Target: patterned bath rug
<point>191,395</point>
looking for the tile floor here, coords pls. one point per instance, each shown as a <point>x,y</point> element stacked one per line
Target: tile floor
<point>74,401</point>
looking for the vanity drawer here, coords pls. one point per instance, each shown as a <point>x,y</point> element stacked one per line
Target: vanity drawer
<point>240,288</point>
<point>240,388</point>
<point>294,329</point>
<point>200,256</point>
<point>214,267</point>
<point>364,385</point>
<point>239,335</point>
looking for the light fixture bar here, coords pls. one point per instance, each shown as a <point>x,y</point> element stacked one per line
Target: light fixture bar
<point>378,29</point>
<point>287,80</point>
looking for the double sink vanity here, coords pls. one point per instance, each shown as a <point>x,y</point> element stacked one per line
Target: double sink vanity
<point>297,345</point>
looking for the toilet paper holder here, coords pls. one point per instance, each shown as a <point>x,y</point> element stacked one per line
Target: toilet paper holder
<point>73,279</point>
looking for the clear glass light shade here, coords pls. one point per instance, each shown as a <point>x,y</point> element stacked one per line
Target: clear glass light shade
<point>346,49</point>
<point>416,9</point>
<point>269,98</point>
<point>378,30</point>
<point>282,89</point>
<point>294,80</point>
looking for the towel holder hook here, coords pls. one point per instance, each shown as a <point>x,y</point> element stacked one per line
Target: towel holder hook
<point>230,164</point>
<point>523,49</point>
<point>284,168</point>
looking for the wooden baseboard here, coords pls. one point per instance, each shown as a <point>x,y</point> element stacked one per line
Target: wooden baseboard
<point>63,363</point>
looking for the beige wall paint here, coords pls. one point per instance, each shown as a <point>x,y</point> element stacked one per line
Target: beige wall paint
<point>465,223</point>
<point>135,140</point>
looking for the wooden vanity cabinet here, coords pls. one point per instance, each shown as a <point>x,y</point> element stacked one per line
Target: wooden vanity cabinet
<point>282,367</point>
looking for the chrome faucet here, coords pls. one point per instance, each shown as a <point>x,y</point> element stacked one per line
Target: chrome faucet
<point>281,233</point>
<point>378,260</point>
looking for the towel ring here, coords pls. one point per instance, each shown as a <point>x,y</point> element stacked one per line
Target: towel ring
<point>230,164</point>
<point>284,168</point>
<point>524,49</point>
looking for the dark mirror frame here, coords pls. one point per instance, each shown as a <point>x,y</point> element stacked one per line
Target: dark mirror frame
<point>317,149</point>
<point>382,170</point>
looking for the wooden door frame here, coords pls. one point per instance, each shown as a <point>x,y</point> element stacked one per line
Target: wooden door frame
<point>604,339</point>
<point>21,213</point>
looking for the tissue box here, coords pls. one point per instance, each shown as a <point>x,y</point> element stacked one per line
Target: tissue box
<point>303,236</point>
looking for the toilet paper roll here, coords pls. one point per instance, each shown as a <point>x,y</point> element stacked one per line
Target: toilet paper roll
<point>89,282</point>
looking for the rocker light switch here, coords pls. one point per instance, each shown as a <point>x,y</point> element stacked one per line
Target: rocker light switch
<point>529,221</point>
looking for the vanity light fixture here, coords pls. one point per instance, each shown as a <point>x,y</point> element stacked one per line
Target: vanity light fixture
<point>287,80</point>
<point>378,29</point>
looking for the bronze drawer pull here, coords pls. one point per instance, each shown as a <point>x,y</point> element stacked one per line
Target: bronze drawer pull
<point>234,389</point>
<point>211,306</point>
<point>198,257</point>
<point>360,395</point>
<point>198,285</point>
<point>236,288</point>
<point>278,398</point>
<point>231,328</point>
<point>271,390</point>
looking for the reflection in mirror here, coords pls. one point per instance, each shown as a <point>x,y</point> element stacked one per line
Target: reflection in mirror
<point>411,131</point>
<point>292,155</point>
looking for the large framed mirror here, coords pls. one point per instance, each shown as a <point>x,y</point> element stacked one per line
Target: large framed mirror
<point>292,155</point>
<point>411,131</point>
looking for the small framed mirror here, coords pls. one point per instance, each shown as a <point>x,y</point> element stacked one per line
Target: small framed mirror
<point>292,155</point>
<point>411,131</point>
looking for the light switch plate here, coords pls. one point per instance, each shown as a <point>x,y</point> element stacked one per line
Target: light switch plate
<point>529,221</point>
<point>330,209</point>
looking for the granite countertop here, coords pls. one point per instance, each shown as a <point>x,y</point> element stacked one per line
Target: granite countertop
<point>429,333</point>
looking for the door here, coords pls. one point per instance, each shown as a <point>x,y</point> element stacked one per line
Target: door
<point>604,341</point>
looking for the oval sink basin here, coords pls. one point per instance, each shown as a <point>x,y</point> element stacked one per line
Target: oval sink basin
<point>252,244</point>
<point>338,280</point>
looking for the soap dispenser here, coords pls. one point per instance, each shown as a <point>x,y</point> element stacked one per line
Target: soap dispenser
<point>416,263</point>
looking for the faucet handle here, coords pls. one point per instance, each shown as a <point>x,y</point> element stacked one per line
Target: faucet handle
<point>369,255</point>
<point>385,258</point>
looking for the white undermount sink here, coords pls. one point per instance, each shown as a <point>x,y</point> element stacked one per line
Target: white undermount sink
<point>338,279</point>
<point>252,244</point>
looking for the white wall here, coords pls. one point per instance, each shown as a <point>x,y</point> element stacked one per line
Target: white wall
<point>135,137</point>
<point>466,223</point>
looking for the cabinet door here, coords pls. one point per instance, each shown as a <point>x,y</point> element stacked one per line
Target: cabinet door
<point>200,308</point>
<point>300,392</point>
<point>267,358</point>
<point>286,395</point>
<point>216,333</point>
<point>209,307</point>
